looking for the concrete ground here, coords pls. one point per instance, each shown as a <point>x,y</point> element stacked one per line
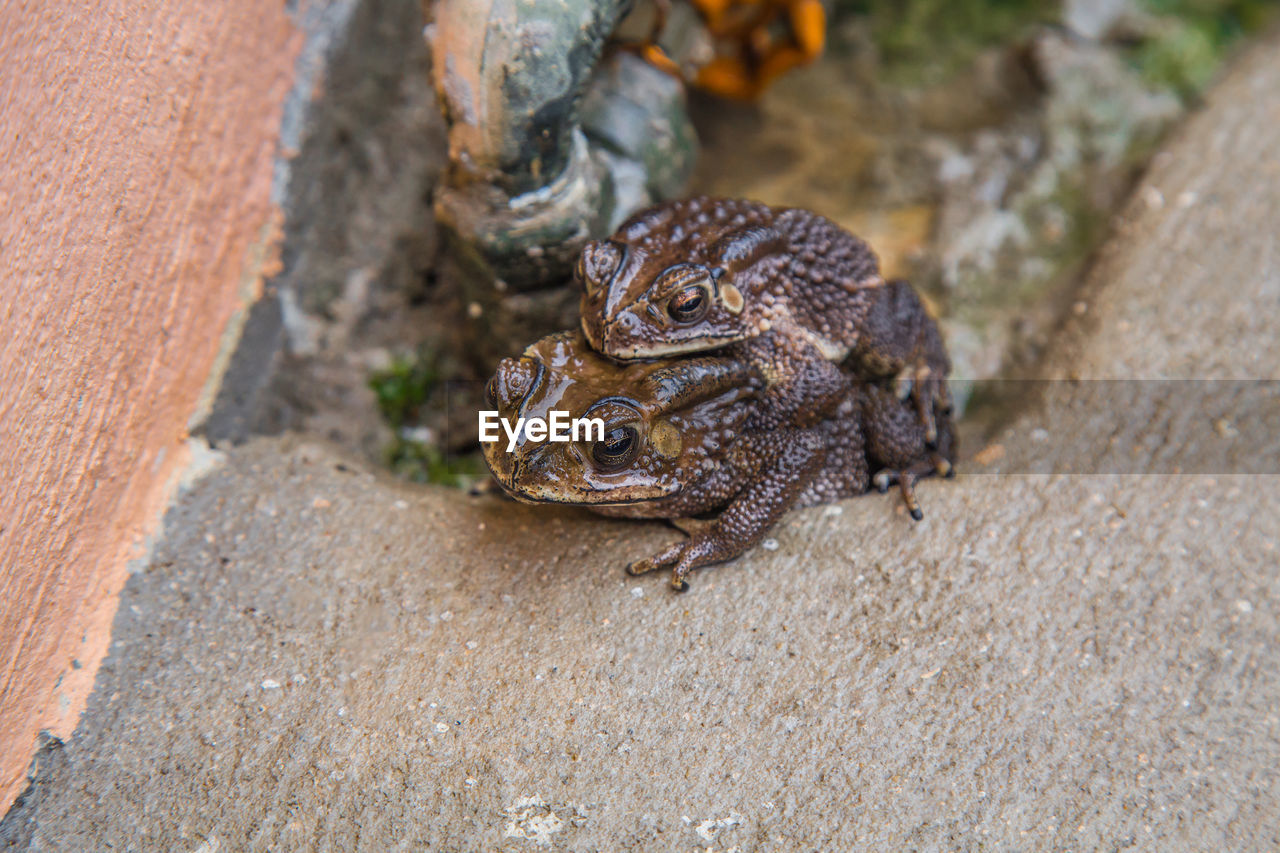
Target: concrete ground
<point>319,658</point>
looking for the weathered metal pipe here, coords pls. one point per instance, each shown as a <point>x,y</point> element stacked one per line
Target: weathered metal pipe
<point>527,187</point>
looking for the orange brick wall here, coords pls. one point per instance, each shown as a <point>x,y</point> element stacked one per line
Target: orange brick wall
<point>136,151</point>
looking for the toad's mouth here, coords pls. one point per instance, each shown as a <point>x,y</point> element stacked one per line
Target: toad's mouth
<point>537,494</point>
<point>664,349</point>
<point>535,484</point>
<point>582,498</point>
<point>534,499</point>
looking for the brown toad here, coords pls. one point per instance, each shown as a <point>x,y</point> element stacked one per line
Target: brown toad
<point>686,437</point>
<point>697,274</point>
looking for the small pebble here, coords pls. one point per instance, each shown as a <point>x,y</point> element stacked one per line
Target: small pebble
<point>769,544</point>
<point>270,684</point>
<point>989,454</point>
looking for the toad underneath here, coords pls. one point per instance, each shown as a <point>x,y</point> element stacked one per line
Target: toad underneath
<point>695,440</point>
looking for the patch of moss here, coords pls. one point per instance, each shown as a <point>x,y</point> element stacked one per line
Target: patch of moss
<point>404,387</point>
<point>403,392</point>
<point>925,40</point>
<point>420,462</point>
<point>1192,37</point>
<point>922,41</point>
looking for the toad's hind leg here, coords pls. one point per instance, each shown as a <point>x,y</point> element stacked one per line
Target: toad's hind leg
<point>898,339</point>
<point>780,466</point>
<point>896,443</point>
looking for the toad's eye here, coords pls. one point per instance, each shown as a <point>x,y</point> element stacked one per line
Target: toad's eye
<point>617,449</point>
<point>689,305</point>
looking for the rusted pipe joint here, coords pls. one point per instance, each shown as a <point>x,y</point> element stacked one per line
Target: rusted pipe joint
<point>533,175</point>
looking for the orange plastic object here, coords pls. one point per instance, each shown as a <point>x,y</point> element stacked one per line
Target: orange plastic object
<point>755,41</point>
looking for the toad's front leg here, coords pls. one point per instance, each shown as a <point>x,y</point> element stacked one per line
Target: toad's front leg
<point>778,469</point>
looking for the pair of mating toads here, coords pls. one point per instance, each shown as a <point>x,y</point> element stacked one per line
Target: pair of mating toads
<point>745,360</point>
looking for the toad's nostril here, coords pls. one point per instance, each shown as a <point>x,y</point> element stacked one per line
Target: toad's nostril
<point>620,335</point>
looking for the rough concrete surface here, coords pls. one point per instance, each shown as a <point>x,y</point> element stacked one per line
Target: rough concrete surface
<point>318,658</point>
<point>137,142</point>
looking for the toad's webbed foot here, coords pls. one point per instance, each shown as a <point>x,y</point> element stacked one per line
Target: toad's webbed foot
<point>675,553</point>
<point>670,555</point>
<point>708,543</point>
<point>688,555</point>
<point>906,479</point>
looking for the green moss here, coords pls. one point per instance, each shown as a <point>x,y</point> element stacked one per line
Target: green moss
<point>403,390</point>
<point>403,387</point>
<point>424,463</point>
<point>928,39</point>
<point>1192,38</point>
